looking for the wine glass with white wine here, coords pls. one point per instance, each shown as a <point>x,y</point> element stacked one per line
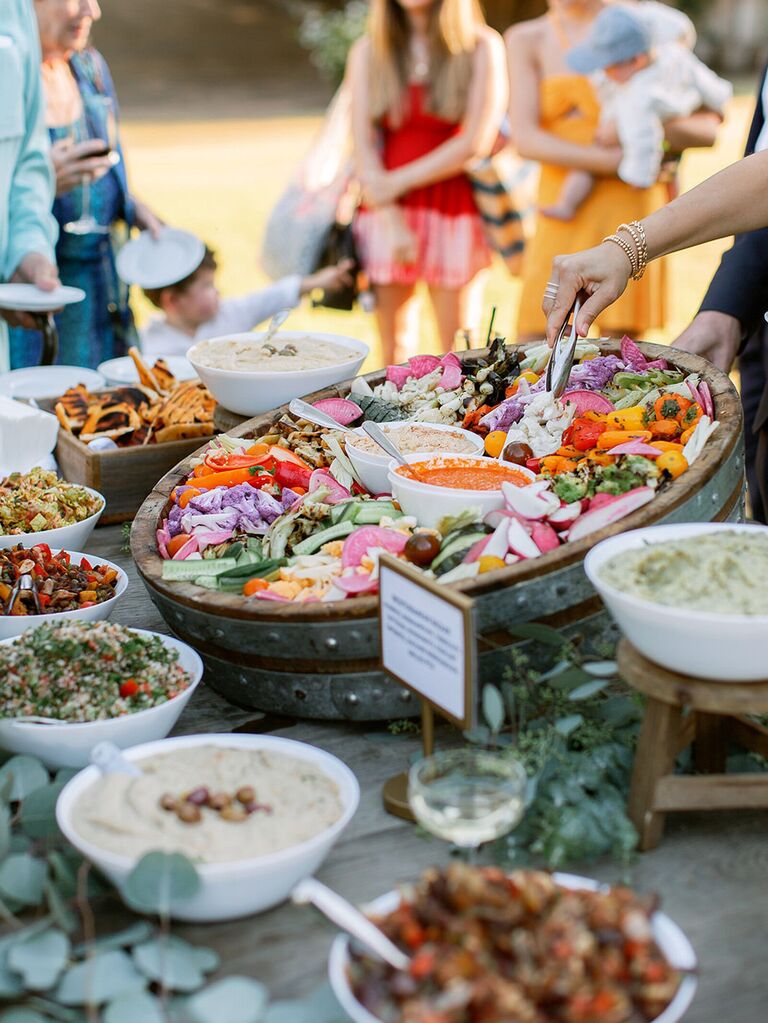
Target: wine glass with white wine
<point>468,796</point>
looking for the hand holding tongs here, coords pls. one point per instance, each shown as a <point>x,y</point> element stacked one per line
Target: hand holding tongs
<point>563,352</point>
<point>24,584</point>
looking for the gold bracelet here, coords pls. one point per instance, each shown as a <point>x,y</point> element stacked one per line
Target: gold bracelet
<point>637,233</point>
<point>628,251</point>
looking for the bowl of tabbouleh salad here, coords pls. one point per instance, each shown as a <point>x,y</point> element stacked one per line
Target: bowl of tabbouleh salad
<point>691,597</point>
<point>95,682</point>
<point>38,507</point>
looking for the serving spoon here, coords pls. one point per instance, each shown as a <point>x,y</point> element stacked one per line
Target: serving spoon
<point>376,434</point>
<point>349,919</point>
<point>304,410</point>
<point>275,324</point>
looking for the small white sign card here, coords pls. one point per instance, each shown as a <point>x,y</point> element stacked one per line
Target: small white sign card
<point>427,639</point>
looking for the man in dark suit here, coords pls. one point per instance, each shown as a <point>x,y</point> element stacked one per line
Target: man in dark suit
<point>731,322</point>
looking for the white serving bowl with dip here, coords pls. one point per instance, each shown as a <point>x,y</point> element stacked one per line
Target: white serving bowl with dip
<point>373,466</point>
<point>69,743</point>
<point>430,503</point>
<point>668,936</point>
<point>241,887</point>
<point>14,625</point>
<point>250,391</point>
<point>72,537</point>
<point>721,647</point>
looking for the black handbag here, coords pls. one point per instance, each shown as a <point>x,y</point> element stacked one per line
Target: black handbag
<point>340,244</point>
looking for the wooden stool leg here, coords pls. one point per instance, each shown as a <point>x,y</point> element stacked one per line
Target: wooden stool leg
<point>710,744</point>
<point>655,757</point>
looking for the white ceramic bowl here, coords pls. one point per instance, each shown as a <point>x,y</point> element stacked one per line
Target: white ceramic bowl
<point>724,648</point>
<point>249,393</point>
<point>243,887</point>
<point>669,937</point>
<point>14,625</point>
<point>430,503</point>
<point>67,538</point>
<point>373,469</point>
<point>70,744</point>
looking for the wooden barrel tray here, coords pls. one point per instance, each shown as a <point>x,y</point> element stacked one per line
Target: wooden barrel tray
<point>321,660</point>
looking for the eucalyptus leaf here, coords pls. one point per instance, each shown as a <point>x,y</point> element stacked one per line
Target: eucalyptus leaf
<point>569,678</point>
<point>64,917</point>
<point>592,688</point>
<point>64,874</point>
<point>102,978</point>
<point>22,1015</point>
<point>38,812</point>
<point>5,831</point>
<point>477,736</point>
<point>536,631</point>
<point>493,708</point>
<point>10,983</point>
<point>133,935</point>
<point>234,999</point>
<point>175,964</point>
<point>22,878</point>
<point>136,1007</point>
<point>567,725</point>
<point>40,959</point>
<point>601,669</point>
<point>25,773</point>
<point>159,879</point>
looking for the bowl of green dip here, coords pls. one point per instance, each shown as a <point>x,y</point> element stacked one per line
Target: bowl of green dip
<point>692,597</point>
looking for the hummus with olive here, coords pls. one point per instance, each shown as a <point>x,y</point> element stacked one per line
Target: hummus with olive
<point>130,815</point>
<point>279,355</point>
<point>725,572</point>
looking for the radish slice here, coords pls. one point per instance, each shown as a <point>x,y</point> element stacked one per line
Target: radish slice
<point>477,550</point>
<point>269,595</point>
<point>398,375</point>
<point>520,542</point>
<point>190,547</point>
<point>322,478</point>
<point>495,518</point>
<point>354,585</point>
<point>588,401</point>
<point>511,559</point>
<point>691,384</point>
<point>530,503</point>
<point>544,536</point>
<point>565,515</point>
<point>607,514</point>
<point>498,545</point>
<point>358,543</point>
<point>706,399</point>
<point>340,409</point>
<point>657,364</point>
<point>632,355</point>
<point>636,447</point>
<point>422,365</point>
<point>163,537</point>
<point>451,378</point>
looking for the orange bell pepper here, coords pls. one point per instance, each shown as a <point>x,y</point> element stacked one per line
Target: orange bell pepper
<point>665,429</point>
<point>612,438</point>
<point>673,462</point>
<point>556,463</point>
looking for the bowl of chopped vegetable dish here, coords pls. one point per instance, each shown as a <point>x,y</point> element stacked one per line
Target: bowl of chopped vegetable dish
<point>38,507</point>
<point>67,586</point>
<point>92,682</point>
<point>489,947</point>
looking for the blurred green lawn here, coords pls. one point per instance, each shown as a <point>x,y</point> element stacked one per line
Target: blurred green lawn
<point>220,179</point>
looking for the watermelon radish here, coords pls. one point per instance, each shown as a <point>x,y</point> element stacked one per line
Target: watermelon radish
<point>422,365</point>
<point>269,595</point>
<point>632,356</point>
<point>451,378</point>
<point>190,547</point>
<point>588,401</point>
<point>340,409</point>
<point>163,539</point>
<point>601,500</point>
<point>357,584</point>
<point>544,536</point>
<point>357,544</point>
<point>322,478</point>
<point>608,513</point>
<point>636,447</point>
<point>706,399</point>
<point>520,541</point>
<point>690,382</point>
<point>657,364</point>
<point>398,375</point>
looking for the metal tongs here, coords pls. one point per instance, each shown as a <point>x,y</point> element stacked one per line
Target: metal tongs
<point>24,584</point>
<point>563,352</point>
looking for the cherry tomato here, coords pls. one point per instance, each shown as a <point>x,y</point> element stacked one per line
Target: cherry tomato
<point>517,454</point>
<point>129,688</point>
<point>422,548</point>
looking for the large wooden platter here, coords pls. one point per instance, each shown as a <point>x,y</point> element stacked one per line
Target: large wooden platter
<point>321,660</point>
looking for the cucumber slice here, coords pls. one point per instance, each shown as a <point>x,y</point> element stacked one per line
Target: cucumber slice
<point>460,545</point>
<point>343,510</point>
<point>186,571</point>
<point>252,570</point>
<point>313,543</point>
<point>370,513</point>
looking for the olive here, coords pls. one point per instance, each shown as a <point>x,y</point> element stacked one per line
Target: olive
<point>245,795</point>
<point>422,548</point>
<point>219,800</point>
<point>518,454</point>
<point>168,802</point>
<point>233,813</point>
<point>189,813</point>
<point>198,796</point>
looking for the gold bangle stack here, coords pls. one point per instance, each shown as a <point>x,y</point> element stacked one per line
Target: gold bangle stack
<point>637,251</point>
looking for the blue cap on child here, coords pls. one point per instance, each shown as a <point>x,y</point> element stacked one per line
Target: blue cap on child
<point>617,35</point>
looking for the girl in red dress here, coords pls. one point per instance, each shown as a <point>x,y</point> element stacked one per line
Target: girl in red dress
<point>428,86</point>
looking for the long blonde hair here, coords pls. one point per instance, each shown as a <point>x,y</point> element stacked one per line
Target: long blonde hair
<point>453,26</point>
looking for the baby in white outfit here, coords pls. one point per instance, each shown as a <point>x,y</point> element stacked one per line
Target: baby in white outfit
<point>642,88</point>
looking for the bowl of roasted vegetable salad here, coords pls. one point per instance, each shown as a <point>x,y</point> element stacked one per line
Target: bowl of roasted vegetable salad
<point>489,947</point>
<point>68,685</point>
<point>39,585</point>
<point>37,506</point>
<point>689,596</point>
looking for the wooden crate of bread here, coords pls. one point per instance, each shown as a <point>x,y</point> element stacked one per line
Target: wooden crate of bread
<point>154,423</point>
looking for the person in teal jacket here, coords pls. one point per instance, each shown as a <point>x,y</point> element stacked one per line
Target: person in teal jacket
<point>28,230</point>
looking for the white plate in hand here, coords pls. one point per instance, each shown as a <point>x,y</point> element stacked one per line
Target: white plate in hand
<point>48,381</point>
<point>29,299</point>
<point>122,371</point>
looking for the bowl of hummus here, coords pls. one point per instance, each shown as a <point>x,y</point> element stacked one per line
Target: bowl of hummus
<point>249,374</point>
<point>256,813</point>
<point>692,597</point>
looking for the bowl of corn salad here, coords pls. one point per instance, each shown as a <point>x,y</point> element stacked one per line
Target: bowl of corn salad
<point>37,506</point>
<point>70,587</point>
<point>96,682</point>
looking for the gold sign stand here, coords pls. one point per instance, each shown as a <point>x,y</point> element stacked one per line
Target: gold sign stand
<point>395,791</point>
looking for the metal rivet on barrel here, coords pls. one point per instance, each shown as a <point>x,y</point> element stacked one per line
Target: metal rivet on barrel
<point>376,694</point>
<point>300,694</point>
<point>355,636</point>
<point>180,617</point>
<point>715,498</point>
<point>331,643</point>
<point>521,601</point>
<point>273,637</point>
<point>352,699</point>
<point>561,590</point>
<point>405,695</point>
<point>218,633</point>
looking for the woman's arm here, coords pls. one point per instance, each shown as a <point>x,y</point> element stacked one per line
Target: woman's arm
<point>531,142</point>
<point>731,202</point>
<point>697,131</point>
<point>365,143</point>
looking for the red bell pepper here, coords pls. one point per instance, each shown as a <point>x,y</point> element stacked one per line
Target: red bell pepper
<point>290,475</point>
<point>585,434</point>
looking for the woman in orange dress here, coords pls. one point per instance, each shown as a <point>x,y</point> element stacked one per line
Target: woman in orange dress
<point>554,115</point>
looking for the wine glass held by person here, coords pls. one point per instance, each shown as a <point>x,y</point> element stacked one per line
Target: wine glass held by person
<point>27,229</point>
<point>731,202</point>
<point>555,119</point>
<point>91,187</point>
<point>428,94</point>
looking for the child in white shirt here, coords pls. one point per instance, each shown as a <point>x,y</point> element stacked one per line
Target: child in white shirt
<point>193,309</point>
<point>643,88</point>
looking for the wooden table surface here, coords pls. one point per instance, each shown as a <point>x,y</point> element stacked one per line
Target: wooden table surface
<point>709,869</point>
